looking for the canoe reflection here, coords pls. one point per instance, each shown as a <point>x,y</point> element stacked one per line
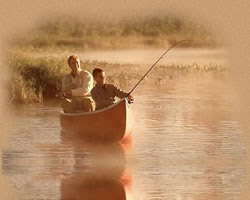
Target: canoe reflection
<point>73,136</point>
<point>96,189</point>
<point>101,174</point>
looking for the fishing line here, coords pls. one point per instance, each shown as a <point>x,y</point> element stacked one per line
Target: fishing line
<point>156,63</point>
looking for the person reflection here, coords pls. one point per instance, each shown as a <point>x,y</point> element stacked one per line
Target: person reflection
<point>102,175</point>
<point>97,189</point>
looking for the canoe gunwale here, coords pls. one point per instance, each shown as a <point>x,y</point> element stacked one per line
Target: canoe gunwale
<point>94,112</point>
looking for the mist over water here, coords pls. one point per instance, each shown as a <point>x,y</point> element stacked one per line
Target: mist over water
<point>187,143</point>
<point>229,20</point>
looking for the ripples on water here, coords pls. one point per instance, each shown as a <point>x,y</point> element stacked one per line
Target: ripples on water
<point>187,145</point>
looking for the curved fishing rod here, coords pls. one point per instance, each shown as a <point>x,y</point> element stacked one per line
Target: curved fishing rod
<point>155,64</point>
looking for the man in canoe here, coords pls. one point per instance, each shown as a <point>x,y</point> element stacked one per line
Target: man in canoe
<point>76,87</point>
<point>105,94</point>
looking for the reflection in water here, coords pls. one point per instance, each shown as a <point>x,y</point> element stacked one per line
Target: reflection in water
<point>104,177</point>
<point>79,188</point>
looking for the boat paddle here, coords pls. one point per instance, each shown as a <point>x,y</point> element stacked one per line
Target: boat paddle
<point>156,63</point>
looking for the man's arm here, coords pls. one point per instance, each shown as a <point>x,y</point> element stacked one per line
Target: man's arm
<point>87,85</point>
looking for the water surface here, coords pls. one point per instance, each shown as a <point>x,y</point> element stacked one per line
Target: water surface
<point>187,144</point>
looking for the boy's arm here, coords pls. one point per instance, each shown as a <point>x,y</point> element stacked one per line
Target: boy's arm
<point>119,93</point>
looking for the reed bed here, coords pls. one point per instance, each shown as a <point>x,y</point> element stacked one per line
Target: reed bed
<point>150,32</point>
<point>38,79</point>
<point>37,70</point>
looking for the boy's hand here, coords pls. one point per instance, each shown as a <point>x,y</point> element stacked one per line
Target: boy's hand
<point>130,99</point>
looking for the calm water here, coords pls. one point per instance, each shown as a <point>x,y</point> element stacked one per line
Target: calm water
<point>187,145</point>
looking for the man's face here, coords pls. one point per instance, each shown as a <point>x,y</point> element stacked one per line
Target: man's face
<point>74,64</point>
<point>100,78</point>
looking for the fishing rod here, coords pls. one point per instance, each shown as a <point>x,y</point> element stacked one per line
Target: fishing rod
<point>155,64</point>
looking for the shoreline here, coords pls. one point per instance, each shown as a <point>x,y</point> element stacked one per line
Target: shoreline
<point>37,76</point>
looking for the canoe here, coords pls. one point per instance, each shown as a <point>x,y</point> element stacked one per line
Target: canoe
<point>113,123</point>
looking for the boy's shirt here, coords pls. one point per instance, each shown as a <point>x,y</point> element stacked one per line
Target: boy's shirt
<point>105,96</point>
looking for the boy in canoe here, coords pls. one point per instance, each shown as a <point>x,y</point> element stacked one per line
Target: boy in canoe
<point>105,94</point>
<point>76,87</point>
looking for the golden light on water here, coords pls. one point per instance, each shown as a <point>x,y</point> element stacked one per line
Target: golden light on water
<point>227,19</point>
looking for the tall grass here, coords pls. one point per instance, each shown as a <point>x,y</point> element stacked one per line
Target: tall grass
<point>39,79</point>
<point>35,79</point>
<point>136,33</point>
<point>37,76</point>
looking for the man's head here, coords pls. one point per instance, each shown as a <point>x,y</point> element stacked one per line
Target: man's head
<point>74,64</point>
<point>99,76</point>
